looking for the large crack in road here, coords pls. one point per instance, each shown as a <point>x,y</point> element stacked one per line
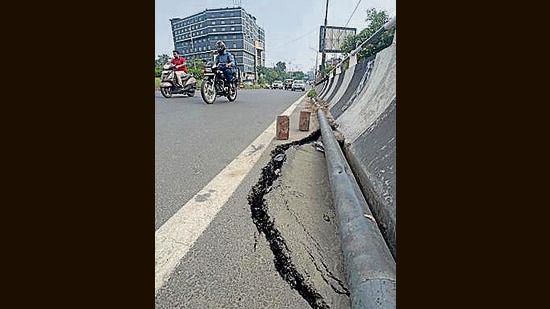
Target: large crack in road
<point>265,225</point>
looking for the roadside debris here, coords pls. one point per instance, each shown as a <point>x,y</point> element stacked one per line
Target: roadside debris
<point>319,146</point>
<point>280,157</point>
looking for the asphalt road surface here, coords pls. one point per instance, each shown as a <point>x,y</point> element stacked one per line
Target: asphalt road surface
<point>209,251</point>
<point>194,141</point>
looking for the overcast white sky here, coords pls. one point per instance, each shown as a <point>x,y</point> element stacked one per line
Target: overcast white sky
<point>291,26</point>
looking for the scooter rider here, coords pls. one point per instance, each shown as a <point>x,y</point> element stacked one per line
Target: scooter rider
<point>226,58</point>
<point>180,66</point>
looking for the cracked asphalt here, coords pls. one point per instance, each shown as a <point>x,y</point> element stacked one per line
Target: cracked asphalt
<point>309,228</point>
<point>233,265</point>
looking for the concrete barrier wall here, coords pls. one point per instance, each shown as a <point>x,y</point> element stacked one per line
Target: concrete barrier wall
<point>327,87</point>
<point>332,86</point>
<point>362,100</point>
<point>357,83</point>
<point>320,88</point>
<point>348,75</point>
<point>337,85</point>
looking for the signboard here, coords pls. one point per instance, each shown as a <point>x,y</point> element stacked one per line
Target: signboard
<point>334,38</point>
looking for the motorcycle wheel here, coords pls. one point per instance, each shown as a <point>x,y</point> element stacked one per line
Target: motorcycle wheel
<point>208,93</point>
<point>166,92</point>
<point>191,93</point>
<point>232,96</point>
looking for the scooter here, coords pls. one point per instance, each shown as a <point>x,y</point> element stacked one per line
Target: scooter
<point>169,82</point>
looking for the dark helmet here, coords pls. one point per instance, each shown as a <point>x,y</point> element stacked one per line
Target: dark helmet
<point>220,46</point>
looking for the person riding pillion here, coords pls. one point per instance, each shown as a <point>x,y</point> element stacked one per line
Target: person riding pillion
<point>226,59</point>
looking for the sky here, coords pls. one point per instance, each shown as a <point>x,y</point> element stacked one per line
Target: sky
<point>291,26</point>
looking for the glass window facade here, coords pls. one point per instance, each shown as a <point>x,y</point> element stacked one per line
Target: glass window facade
<point>195,37</point>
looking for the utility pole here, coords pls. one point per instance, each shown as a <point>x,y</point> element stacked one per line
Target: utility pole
<point>324,42</point>
<point>316,71</point>
<point>290,68</point>
<point>316,67</point>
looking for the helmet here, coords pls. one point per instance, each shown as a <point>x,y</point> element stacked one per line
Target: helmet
<point>220,46</point>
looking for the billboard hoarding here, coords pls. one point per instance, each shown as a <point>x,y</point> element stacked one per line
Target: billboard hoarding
<point>334,38</point>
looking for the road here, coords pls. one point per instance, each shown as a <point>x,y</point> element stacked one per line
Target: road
<point>207,160</point>
<point>194,141</point>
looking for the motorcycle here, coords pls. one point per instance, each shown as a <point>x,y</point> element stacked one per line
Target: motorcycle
<point>169,82</point>
<point>215,85</point>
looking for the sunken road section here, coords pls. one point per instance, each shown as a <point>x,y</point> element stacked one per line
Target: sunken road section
<point>266,225</point>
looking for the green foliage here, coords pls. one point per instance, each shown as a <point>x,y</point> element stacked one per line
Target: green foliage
<point>311,93</point>
<point>269,75</point>
<point>280,67</point>
<point>295,75</point>
<point>195,63</point>
<point>195,66</point>
<point>262,80</point>
<point>375,19</point>
<point>159,62</point>
<point>266,74</point>
<point>157,83</point>
<point>349,44</point>
<point>197,73</point>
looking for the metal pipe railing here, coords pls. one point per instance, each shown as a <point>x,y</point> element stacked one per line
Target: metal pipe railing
<point>369,263</point>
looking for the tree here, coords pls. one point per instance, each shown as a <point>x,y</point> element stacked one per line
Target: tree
<point>265,74</point>
<point>375,19</point>
<point>269,75</point>
<point>278,72</point>
<point>161,60</point>
<point>281,67</point>
<point>296,75</point>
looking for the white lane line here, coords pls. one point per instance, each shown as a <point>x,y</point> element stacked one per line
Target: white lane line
<point>177,235</point>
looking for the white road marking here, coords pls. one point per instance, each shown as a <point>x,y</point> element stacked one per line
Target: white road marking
<point>177,235</point>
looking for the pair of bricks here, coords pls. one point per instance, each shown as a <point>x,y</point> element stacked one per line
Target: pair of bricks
<point>283,124</point>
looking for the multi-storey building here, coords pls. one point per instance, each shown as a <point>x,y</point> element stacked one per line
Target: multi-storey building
<point>195,36</point>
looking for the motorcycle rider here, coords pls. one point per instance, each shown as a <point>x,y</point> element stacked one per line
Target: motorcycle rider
<point>225,58</point>
<point>180,64</point>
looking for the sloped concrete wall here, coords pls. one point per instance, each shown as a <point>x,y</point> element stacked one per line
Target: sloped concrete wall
<point>347,77</point>
<point>355,86</point>
<point>362,100</point>
<point>337,85</point>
